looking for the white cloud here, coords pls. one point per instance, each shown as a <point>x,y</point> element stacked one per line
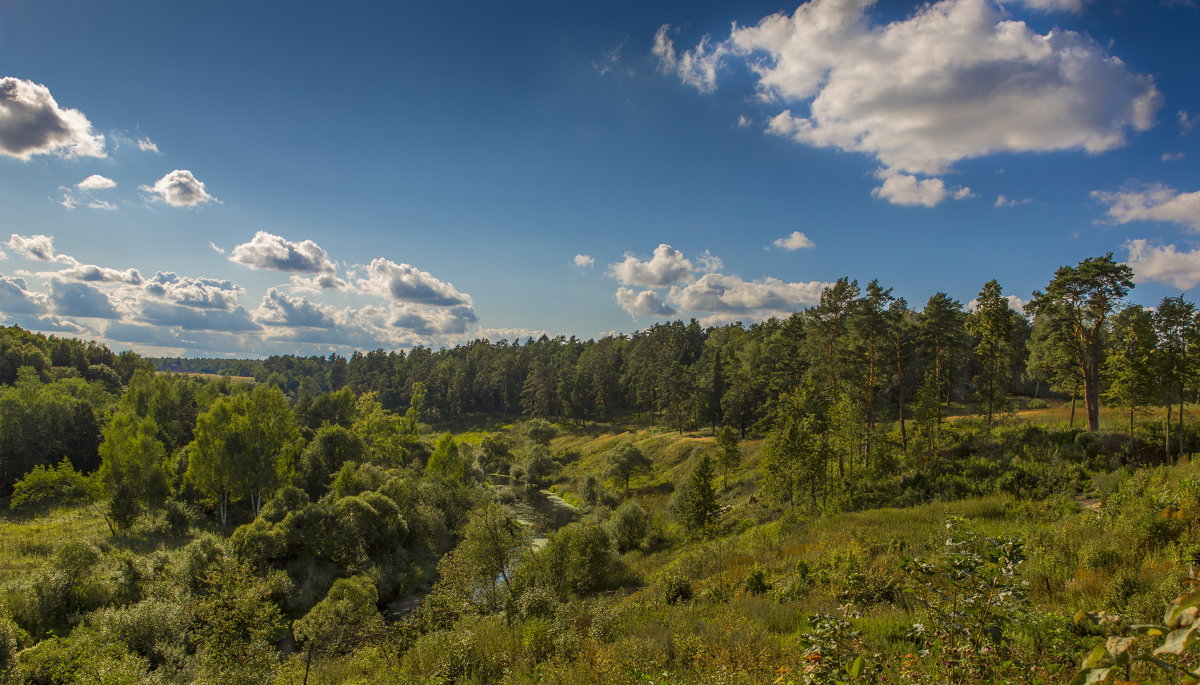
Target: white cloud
<point>193,319</point>
<point>96,182</point>
<point>1186,121</point>
<point>642,303</point>
<point>74,298</point>
<point>213,246</point>
<point>277,309</point>
<point>910,191</point>
<point>1002,201</point>
<point>722,293</point>
<point>667,267</point>
<point>32,123</point>
<point>147,145</point>
<point>202,293</point>
<point>583,261</point>
<point>90,273</point>
<point>317,283</point>
<point>743,121</point>
<point>432,320</point>
<point>1171,156</point>
<point>39,247</point>
<point>101,204</point>
<point>696,67</point>
<point>180,188</point>
<point>955,80</point>
<point>407,283</point>
<point>1164,264</point>
<point>1152,203</point>
<point>267,251</point>
<point>709,263</point>
<point>17,298</point>
<point>795,241</point>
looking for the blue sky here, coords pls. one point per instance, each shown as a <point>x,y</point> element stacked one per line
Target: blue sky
<point>253,178</point>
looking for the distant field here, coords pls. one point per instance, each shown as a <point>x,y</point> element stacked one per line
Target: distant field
<point>232,379</point>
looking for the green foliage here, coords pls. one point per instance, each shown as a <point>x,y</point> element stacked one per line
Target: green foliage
<point>242,448</point>
<point>539,431</point>
<point>697,502</point>
<point>729,455</point>
<point>446,463</point>
<point>347,612</point>
<point>84,657</point>
<point>625,461</point>
<point>237,620</point>
<point>628,526</point>
<point>973,594</point>
<point>331,448</point>
<point>539,466</point>
<point>46,485</point>
<point>676,588</point>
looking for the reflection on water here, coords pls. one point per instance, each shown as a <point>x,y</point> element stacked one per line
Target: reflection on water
<point>544,512</point>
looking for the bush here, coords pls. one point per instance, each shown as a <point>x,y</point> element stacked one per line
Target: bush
<point>628,526</point>
<point>60,484</point>
<point>676,588</point>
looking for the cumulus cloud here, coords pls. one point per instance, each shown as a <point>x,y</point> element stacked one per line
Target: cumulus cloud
<point>202,293</point>
<point>180,188</point>
<point>268,251</point>
<point>955,80</point>
<point>96,182</point>
<point>74,298</point>
<point>642,303</point>
<point>1002,201</point>
<point>32,123</point>
<point>17,298</point>
<point>432,321</point>
<point>1164,264</point>
<point>668,266</point>
<point>193,319</point>
<point>317,283</point>
<point>795,241</point>
<point>39,247</point>
<point>582,261</point>
<point>407,283</point>
<point>1154,202</point>
<point>909,191</point>
<point>723,293</point>
<point>90,273</point>
<point>278,309</point>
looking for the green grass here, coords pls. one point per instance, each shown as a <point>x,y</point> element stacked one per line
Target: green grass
<point>26,542</point>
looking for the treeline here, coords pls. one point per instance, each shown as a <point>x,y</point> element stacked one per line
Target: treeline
<point>883,355</point>
<point>54,397</point>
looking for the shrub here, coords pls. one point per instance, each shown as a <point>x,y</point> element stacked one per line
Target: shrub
<point>676,588</point>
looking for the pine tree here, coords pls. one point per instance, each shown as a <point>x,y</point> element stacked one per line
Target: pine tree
<point>697,504</point>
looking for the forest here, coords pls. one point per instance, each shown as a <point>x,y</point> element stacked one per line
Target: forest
<point>864,492</point>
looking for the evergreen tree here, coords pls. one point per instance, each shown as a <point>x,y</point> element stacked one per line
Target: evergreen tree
<point>697,504</point>
<point>1080,299</point>
<point>991,323</point>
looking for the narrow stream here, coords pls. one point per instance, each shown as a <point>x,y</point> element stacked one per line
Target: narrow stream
<point>544,512</point>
